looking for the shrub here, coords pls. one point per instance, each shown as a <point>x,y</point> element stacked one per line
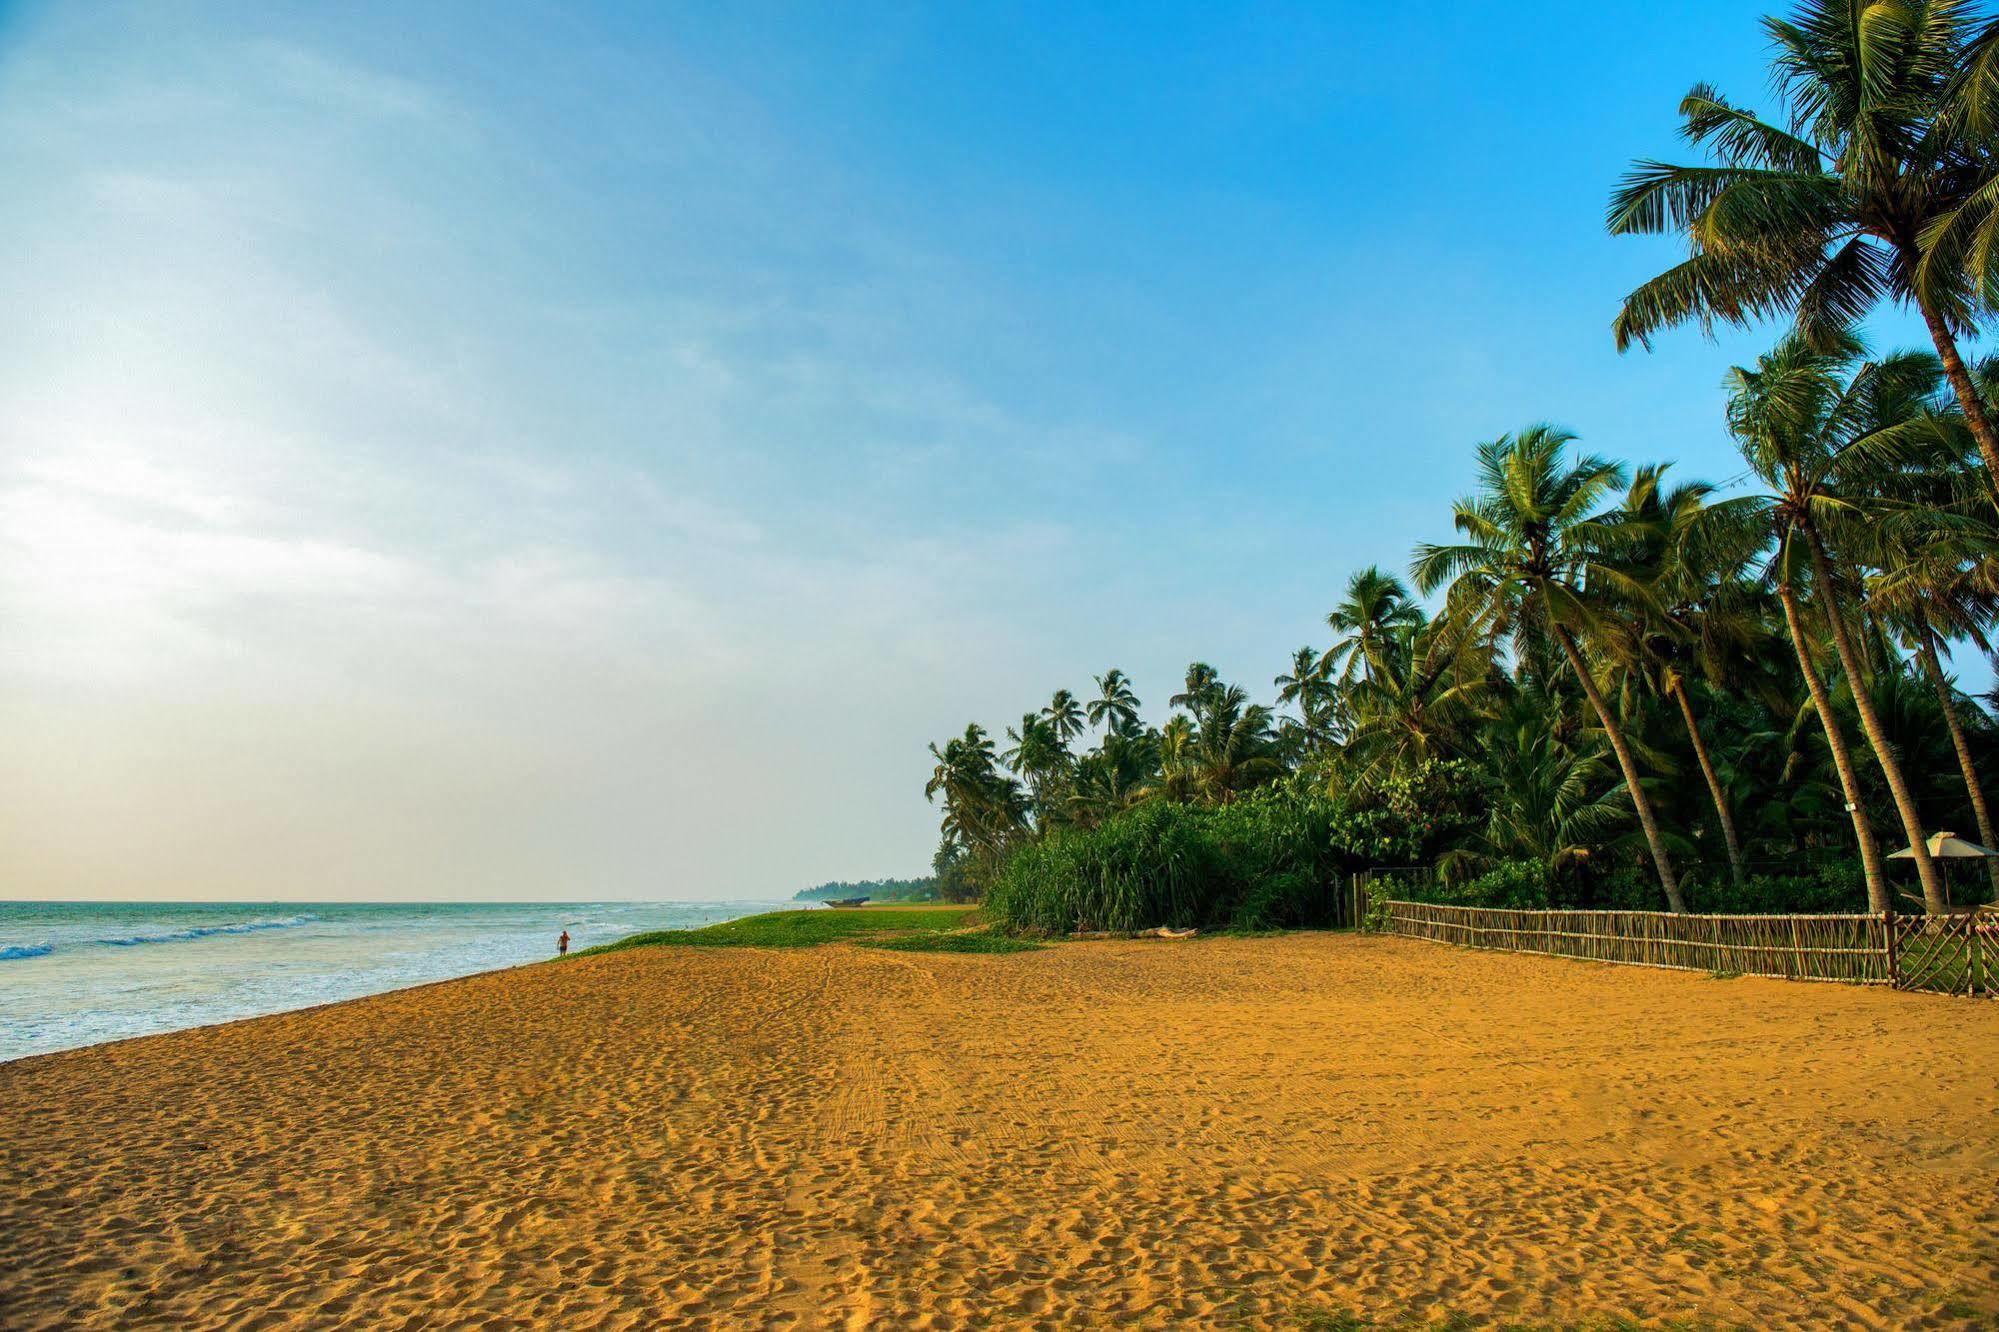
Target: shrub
<point>1835,887</point>
<point>1148,866</point>
<point>1275,858</point>
<point>1523,885</point>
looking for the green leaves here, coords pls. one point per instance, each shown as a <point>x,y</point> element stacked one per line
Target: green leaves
<point>1880,187</point>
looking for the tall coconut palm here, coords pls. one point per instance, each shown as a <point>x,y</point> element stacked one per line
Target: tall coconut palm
<point>1690,624</point>
<point>1806,421</point>
<point>1305,686</point>
<point>1115,705</point>
<point>1884,150</point>
<point>1040,759</point>
<point>1935,591</point>
<point>1202,681</point>
<point>1364,624</point>
<point>1536,547</point>
<point>1065,714</point>
<point>983,808</point>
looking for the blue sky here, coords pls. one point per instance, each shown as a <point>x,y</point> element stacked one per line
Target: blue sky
<point>544,451</point>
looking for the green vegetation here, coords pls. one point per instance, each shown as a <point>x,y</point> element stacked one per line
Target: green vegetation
<point>1626,688</point>
<point>803,929</point>
<point>1271,859</point>
<point>1534,885</point>
<point>875,890</point>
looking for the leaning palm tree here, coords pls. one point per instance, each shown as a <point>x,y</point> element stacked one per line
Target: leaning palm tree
<point>1065,714</point>
<point>983,808</point>
<point>1878,184</point>
<point>1364,624</point>
<point>1537,551</point>
<point>1933,591</point>
<point>1810,422</point>
<point>1692,620</point>
<point>1040,759</point>
<point>1115,705</point>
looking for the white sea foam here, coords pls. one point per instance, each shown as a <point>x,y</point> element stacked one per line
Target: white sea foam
<point>79,973</point>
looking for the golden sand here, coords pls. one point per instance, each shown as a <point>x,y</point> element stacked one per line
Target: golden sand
<point>1214,1133</point>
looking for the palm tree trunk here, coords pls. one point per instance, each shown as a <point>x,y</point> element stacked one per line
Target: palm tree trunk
<point>1878,900</point>
<point>1877,736</point>
<point>1721,810</point>
<point>1926,652</point>
<point>1639,800</point>
<point>1975,414</point>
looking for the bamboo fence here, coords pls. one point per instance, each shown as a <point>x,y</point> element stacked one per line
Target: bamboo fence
<point>1954,954</point>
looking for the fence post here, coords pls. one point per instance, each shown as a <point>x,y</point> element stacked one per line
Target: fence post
<point>1888,948</point>
<point>1974,946</point>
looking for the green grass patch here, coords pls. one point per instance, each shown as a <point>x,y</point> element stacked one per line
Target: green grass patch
<point>803,929</point>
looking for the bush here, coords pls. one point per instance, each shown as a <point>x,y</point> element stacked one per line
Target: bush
<point>1825,888</point>
<point>1521,885</point>
<point>1276,858</point>
<point>1530,885</point>
<point>1408,820</point>
<point>1148,866</point>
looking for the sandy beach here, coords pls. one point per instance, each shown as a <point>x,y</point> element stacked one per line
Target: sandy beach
<point>1217,1133</point>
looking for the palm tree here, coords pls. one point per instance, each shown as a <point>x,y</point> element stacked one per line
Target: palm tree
<point>1202,681</point>
<point>1178,773</point>
<point>1115,776</point>
<point>1115,706</point>
<point>1696,619</point>
<point>1889,107</point>
<point>1804,432</point>
<point>1553,795</point>
<point>1936,590</point>
<point>1536,550</point>
<point>1306,686</point>
<point>1232,744</point>
<point>982,808</point>
<point>1040,758</point>
<point>1431,690</point>
<point>1065,714</point>
<point>1365,622</point>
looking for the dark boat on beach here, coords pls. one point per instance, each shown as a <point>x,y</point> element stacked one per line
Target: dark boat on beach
<point>847,903</point>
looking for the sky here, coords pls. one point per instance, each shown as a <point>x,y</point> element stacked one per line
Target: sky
<point>534,451</point>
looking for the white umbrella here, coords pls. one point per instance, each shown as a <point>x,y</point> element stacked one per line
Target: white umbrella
<point>1948,846</point>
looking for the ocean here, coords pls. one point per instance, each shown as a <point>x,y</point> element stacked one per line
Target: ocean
<point>76,973</point>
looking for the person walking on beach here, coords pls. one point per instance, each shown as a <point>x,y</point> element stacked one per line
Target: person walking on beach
<point>562,944</point>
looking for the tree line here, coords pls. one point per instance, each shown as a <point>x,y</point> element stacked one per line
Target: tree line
<point>1634,668</point>
<point>875,890</point>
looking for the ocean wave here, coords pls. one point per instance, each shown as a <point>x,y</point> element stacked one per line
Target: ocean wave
<point>205,931</point>
<point>15,952</point>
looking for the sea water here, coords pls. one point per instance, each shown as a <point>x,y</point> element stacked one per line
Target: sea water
<point>76,973</point>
